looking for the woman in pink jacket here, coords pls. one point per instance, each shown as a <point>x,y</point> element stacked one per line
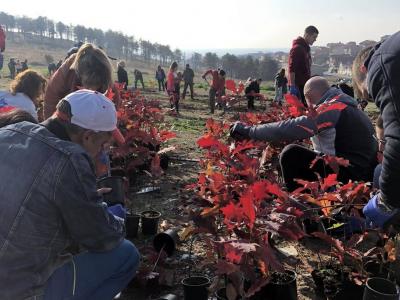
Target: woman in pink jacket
<point>172,77</point>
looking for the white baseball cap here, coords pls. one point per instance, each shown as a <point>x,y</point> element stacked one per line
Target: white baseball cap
<point>92,110</point>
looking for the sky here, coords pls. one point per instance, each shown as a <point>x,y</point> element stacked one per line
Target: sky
<point>223,24</point>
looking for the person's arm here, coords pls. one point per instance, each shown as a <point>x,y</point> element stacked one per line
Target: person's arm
<point>57,88</point>
<point>82,209</point>
<point>207,73</point>
<point>289,130</point>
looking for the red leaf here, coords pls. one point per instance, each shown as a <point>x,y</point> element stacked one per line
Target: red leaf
<point>329,181</point>
<point>230,85</point>
<point>166,135</point>
<point>248,209</point>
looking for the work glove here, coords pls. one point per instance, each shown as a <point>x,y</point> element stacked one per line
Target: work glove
<point>294,91</point>
<point>117,210</point>
<point>239,131</point>
<point>379,214</point>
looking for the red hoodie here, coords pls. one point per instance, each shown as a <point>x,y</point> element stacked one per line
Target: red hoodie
<point>300,61</point>
<point>2,40</point>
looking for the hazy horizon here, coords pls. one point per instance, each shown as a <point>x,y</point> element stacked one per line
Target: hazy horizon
<point>210,24</point>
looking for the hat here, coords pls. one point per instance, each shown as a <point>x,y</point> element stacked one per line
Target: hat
<point>92,110</point>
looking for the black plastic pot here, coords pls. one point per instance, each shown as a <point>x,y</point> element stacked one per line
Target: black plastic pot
<point>167,241</point>
<point>380,289</point>
<point>221,294</point>
<point>117,194</point>
<point>118,172</point>
<point>168,297</point>
<point>195,287</point>
<point>375,269</point>
<point>150,219</point>
<point>281,286</point>
<point>132,225</point>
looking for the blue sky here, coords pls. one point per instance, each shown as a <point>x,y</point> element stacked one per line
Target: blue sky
<point>190,24</point>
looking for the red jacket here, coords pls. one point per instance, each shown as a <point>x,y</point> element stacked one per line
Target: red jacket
<point>2,40</point>
<point>300,61</point>
<point>217,83</point>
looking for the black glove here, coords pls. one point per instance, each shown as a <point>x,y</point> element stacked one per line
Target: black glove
<point>239,131</point>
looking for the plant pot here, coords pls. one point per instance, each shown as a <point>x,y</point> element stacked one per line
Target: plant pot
<point>150,219</point>
<point>132,225</point>
<point>168,297</point>
<point>117,194</point>
<point>164,161</point>
<point>167,241</point>
<point>281,286</point>
<point>196,287</point>
<point>375,269</point>
<point>380,289</point>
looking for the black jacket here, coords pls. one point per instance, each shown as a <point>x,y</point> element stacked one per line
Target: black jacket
<point>122,75</point>
<point>252,87</point>
<point>347,133</point>
<point>383,67</point>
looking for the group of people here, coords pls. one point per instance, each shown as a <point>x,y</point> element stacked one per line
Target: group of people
<point>58,239</point>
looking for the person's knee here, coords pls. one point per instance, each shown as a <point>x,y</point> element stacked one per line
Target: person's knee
<point>288,152</point>
<point>129,256</point>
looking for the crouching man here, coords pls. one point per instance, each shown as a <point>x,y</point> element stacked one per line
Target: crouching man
<point>339,128</point>
<point>49,204</point>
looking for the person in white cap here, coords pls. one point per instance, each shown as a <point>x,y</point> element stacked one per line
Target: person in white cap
<point>49,205</point>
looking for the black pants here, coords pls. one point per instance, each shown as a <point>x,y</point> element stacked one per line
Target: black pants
<point>250,102</point>
<point>303,98</point>
<point>295,163</point>
<point>161,85</point>
<point>190,84</point>
<point>141,81</point>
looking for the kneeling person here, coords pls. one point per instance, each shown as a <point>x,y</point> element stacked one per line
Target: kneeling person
<point>346,132</point>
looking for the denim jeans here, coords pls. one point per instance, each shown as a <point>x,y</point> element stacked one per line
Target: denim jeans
<point>94,275</point>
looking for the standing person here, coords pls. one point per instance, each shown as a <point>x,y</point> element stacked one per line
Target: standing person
<point>25,91</point>
<point>172,80</point>
<point>24,65</point>
<point>122,74</point>
<point>280,86</point>
<point>11,67</point>
<point>300,62</point>
<point>18,67</point>
<point>59,208</point>
<point>217,87</point>
<point>376,75</point>
<point>138,77</point>
<point>188,76</point>
<point>251,89</point>
<point>2,47</point>
<point>160,76</point>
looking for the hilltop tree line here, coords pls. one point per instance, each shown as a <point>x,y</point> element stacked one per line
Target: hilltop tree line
<point>127,47</point>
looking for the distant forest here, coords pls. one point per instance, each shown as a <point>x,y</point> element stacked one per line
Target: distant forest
<point>118,44</point>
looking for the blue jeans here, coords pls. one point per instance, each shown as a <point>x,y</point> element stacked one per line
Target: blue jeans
<point>94,275</point>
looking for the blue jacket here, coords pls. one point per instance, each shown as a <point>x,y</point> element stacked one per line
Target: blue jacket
<point>346,133</point>
<point>48,204</point>
<point>383,67</point>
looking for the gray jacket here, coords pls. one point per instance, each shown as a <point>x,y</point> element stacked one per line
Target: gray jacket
<point>349,132</point>
<point>48,203</point>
